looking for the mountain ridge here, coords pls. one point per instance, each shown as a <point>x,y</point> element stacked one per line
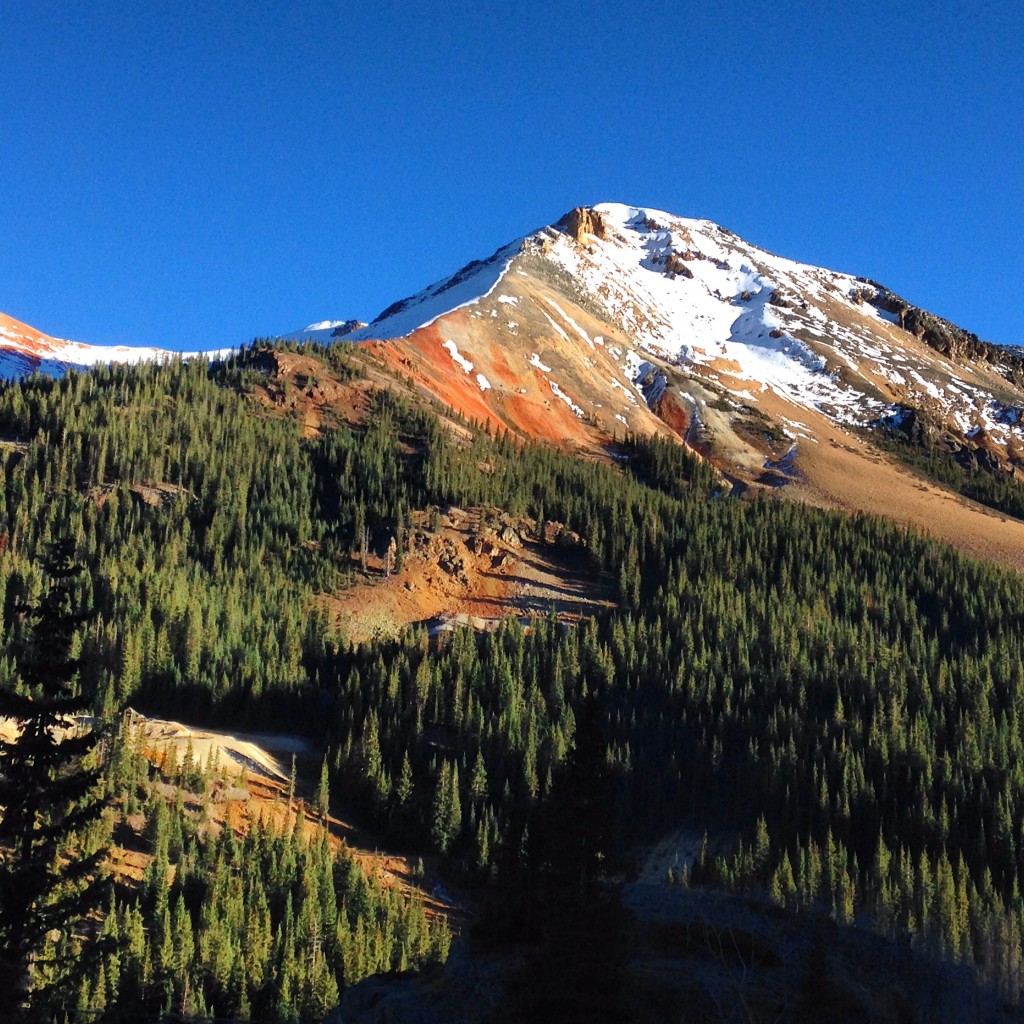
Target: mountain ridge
<point>24,349</point>
<point>619,320</point>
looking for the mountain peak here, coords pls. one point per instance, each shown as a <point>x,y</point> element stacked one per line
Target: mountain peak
<point>622,319</point>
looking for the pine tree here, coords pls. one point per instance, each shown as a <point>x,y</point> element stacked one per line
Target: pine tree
<point>48,792</point>
<point>447,808</point>
<point>323,792</point>
<point>478,786</point>
<point>441,809</point>
<point>404,789</point>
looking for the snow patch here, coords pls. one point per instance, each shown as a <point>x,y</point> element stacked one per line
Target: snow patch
<point>325,325</point>
<point>535,361</point>
<point>565,398</point>
<point>882,314</point>
<point>633,365</point>
<point>569,320</point>
<point>457,356</point>
<point>927,385</point>
<point>556,327</point>
<point>474,282</point>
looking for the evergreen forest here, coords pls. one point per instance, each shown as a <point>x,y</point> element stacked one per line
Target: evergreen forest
<point>835,702</point>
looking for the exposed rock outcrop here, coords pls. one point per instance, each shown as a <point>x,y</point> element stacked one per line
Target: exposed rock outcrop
<point>669,409</point>
<point>510,536</point>
<point>581,222</point>
<point>346,327</point>
<point>674,264</point>
<point>940,334</point>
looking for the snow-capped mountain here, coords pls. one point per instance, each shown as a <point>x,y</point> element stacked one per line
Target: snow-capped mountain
<point>692,295</point>
<point>624,319</point>
<point>665,302</point>
<point>23,350</point>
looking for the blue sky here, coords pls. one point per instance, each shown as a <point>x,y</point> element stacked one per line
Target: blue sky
<point>194,174</point>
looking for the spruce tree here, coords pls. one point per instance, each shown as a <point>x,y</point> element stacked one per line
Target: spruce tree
<point>323,793</point>
<point>48,791</point>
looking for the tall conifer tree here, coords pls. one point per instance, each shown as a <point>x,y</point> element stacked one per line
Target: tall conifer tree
<point>48,794</point>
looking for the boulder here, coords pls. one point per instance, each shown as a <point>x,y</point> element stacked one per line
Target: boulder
<point>510,537</point>
<point>675,265</point>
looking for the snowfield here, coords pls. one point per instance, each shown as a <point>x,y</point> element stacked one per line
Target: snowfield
<point>714,310</point>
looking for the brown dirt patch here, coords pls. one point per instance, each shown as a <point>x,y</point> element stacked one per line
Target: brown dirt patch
<point>306,390</point>
<point>844,472</point>
<point>461,574</point>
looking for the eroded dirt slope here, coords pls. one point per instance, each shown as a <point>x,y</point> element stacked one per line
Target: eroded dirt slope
<point>470,567</point>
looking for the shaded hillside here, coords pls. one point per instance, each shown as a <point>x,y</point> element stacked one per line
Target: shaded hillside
<point>690,956</point>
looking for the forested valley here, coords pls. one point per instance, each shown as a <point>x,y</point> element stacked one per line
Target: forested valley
<point>840,699</point>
